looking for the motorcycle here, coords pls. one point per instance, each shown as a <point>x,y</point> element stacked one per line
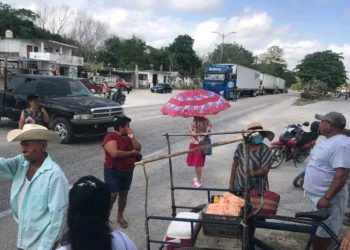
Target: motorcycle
<point>295,144</point>
<point>116,95</point>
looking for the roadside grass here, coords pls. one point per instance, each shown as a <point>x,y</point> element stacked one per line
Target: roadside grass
<point>303,101</point>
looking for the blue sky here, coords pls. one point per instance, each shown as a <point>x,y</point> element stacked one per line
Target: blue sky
<point>298,26</point>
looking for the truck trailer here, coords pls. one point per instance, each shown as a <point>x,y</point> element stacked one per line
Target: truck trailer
<point>268,84</point>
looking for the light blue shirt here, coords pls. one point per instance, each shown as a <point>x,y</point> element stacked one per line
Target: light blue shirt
<point>44,204</point>
<point>325,158</point>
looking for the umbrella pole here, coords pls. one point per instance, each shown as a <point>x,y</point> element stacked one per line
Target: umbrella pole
<point>245,243</point>
<point>173,208</point>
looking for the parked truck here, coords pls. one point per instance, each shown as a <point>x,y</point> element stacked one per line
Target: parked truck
<point>229,80</point>
<point>268,84</point>
<point>281,85</point>
<point>72,109</point>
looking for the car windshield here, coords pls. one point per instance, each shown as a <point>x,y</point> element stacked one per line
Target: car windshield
<point>214,77</point>
<point>54,87</point>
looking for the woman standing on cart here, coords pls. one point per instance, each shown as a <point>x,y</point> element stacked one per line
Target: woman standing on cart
<point>259,160</point>
<point>196,159</point>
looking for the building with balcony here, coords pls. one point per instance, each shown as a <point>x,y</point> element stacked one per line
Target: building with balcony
<point>39,56</point>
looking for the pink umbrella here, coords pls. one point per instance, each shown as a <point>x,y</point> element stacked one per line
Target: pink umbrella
<point>195,103</point>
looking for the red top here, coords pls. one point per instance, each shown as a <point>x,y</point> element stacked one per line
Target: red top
<point>125,144</point>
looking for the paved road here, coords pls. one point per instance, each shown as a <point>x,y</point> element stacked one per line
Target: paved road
<point>86,157</point>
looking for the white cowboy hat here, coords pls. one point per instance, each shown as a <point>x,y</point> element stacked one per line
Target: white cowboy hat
<point>32,132</point>
<point>255,128</point>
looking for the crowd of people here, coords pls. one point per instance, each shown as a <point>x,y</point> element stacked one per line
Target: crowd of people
<point>40,214</point>
<point>88,204</point>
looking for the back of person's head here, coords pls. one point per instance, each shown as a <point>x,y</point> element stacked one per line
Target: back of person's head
<point>32,97</point>
<point>88,215</point>
<point>120,121</point>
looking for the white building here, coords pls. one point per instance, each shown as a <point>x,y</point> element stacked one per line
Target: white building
<point>41,56</point>
<point>148,78</point>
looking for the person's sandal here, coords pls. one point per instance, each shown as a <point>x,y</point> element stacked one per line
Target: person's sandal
<point>196,184</point>
<point>123,223</point>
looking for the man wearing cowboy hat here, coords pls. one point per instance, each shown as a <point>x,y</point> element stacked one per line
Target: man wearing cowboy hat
<point>327,173</point>
<point>39,190</point>
<point>260,159</point>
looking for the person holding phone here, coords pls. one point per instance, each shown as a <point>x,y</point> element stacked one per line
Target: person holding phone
<point>35,114</point>
<point>122,150</point>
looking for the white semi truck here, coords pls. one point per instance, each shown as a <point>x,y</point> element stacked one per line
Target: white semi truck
<point>281,85</point>
<point>268,84</point>
<point>231,79</point>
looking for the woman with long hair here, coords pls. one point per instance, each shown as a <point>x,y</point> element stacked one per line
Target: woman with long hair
<point>88,219</point>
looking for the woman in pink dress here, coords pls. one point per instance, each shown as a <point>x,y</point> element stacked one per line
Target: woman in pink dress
<point>196,159</point>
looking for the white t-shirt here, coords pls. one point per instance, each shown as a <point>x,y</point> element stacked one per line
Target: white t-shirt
<point>120,241</point>
<point>22,195</point>
<point>325,158</point>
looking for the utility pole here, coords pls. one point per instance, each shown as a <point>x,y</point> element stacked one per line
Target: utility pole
<point>223,35</point>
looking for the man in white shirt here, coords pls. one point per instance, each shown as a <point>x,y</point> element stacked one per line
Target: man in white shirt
<point>327,173</point>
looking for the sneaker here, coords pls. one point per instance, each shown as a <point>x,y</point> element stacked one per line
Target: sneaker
<point>196,184</point>
<point>194,179</point>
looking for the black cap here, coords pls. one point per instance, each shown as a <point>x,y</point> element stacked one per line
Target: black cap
<point>337,119</point>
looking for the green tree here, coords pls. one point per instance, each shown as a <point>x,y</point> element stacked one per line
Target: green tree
<point>124,53</point>
<point>158,58</point>
<point>290,77</point>
<point>182,57</point>
<point>326,66</point>
<point>273,63</point>
<point>232,53</point>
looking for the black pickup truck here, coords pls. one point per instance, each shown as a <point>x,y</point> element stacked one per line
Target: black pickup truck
<point>72,108</point>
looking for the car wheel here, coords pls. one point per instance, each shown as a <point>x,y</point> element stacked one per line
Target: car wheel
<point>170,91</point>
<point>64,129</point>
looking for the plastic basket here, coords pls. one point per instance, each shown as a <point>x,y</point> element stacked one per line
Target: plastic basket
<point>222,230</point>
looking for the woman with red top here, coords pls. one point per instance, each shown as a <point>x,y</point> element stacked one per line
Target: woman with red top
<point>121,149</point>
<point>196,159</point>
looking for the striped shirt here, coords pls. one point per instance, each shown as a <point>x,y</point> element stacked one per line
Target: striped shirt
<point>258,159</point>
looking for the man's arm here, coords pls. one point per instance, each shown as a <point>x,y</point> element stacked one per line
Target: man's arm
<point>340,179</point>
<point>8,167</point>
<point>112,149</point>
<point>57,206</point>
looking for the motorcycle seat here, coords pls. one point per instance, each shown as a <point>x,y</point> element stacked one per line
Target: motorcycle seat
<point>318,215</point>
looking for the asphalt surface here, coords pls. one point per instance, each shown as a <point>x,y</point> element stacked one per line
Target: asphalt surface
<point>85,157</point>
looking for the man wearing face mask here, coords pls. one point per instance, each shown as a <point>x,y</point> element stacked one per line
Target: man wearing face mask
<point>259,160</point>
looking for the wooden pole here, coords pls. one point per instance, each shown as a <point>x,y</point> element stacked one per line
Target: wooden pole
<point>216,144</point>
<point>245,243</point>
<point>173,208</point>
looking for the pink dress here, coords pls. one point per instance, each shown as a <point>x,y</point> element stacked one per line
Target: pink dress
<point>197,158</point>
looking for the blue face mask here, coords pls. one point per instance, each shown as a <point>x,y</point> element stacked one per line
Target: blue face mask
<point>256,139</point>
